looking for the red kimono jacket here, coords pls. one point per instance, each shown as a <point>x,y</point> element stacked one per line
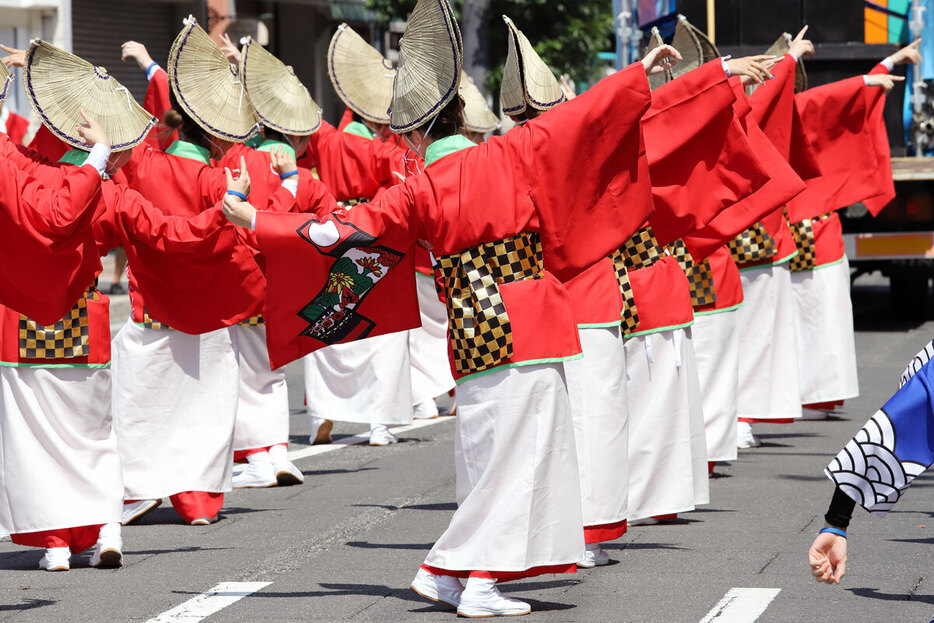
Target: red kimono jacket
<point>15,126</point>
<point>46,235</point>
<point>575,176</point>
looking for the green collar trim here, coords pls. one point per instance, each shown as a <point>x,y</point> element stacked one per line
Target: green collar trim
<point>355,127</point>
<point>74,156</point>
<point>446,146</point>
<point>184,149</point>
<point>269,144</point>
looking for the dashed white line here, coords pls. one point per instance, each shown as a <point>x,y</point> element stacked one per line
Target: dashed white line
<point>741,605</point>
<point>206,604</point>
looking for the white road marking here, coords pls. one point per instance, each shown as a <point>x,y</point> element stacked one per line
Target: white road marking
<point>741,605</point>
<point>353,440</point>
<point>206,604</point>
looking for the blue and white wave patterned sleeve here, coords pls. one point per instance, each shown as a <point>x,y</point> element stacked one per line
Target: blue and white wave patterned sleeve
<point>895,446</point>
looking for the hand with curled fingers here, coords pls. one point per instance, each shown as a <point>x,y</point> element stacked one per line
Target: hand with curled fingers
<point>756,69</point>
<point>827,558</point>
<point>660,58</point>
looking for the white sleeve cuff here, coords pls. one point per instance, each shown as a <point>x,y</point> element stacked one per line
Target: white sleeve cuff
<point>152,71</point>
<point>291,185</point>
<point>726,66</point>
<point>888,63</point>
<point>866,80</point>
<point>253,222</point>
<point>98,157</point>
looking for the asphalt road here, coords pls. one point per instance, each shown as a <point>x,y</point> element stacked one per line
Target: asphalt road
<point>346,544</point>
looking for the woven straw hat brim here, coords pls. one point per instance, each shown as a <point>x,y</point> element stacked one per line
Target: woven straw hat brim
<point>512,91</point>
<point>542,89</point>
<point>687,43</point>
<point>279,98</point>
<point>6,79</point>
<point>208,88</point>
<point>431,55</point>
<point>477,115</point>
<point>361,77</point>
<point>657,80</point>
<point>59,85</point>
<point>710,50</point>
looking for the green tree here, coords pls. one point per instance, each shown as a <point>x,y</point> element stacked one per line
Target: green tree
<point>567,35</point>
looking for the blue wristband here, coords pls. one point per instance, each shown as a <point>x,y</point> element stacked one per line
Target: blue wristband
<point>836,531</point>
<point>151,65</point>
<point>288,175</point>
<point>237,194</point>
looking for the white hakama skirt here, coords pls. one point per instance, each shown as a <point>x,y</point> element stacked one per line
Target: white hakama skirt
<point>826,342</point>
<point>263,409</point>
<point>367,382</point>
<point>768,346</point>
<point>428,345</point>
<point>175,404</point>
<point>667,443</point>
<point>600,411</point>
<point>59,465</point>
<point>518,487</point>
<point>716,350</point>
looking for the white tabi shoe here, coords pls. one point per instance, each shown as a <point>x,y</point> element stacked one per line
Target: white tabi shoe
<point>204,521</point>
<point>135,510</point>
<point>108,553</point>
<point>744,437</point>
<point>285,470</point>
<point>320,431</point>
<point>813,414</point>
<point>594,556</point>
<point>380,436</point>
<point>56,559</point>
<point>482,599</point>
<point>443,588</point>
<point>425,410</point>
<point>258,474</point>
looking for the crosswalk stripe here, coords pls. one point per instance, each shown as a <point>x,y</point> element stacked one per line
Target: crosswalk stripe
<point>741,605</point>
<point>210,602</point>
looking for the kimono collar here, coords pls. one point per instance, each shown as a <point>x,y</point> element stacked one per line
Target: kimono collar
<point>184,149</point>
<point>446,146</point>
<point>75,157</point>
<point>269,145</point>
<point>355,127</point>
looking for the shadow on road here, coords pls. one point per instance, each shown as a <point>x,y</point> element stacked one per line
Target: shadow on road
<point>27,604</point>
<point>874,593</point>
<point>366,545</point>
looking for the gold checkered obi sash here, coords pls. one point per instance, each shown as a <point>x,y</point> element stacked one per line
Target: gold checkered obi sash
<point>69,338</point>
<point>753,245</point>
<point>149,323</point>
<point>803,234</point>
<point>700,275</point>
<point>640,251</point>
<point>480,332</point>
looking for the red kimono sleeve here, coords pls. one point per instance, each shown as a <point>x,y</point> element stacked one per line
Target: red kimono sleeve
<point>156,102</point>
<point>46,235</point>
<point>16,127</point>
<point>345,163</point>
<point>50,146</point>
<point>586,171</point>
<point>700,158</point>
<point>773,102</point>
<point>843,123</point>
<point>322,275</point>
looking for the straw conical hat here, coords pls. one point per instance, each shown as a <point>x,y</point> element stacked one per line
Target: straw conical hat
<point>360,75</point>
<point>657,80</point>
<point>278,96</point>
<point>207,86</point>
<point>59,85</point>
<point>687,43</point>
<point>6,79</point>
<point>431,55</point>
<point>710,51</point>
<point>780,48</point>
<point>477,115</point>
<point>527,80</point>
